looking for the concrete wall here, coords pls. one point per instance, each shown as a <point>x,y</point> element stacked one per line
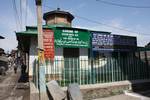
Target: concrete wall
<point>32,55</point>
<point>59,53</point>
<point>83,58</point>
<point>54,69</point>
<point>58,64</point>
<point>95,91</point>
<point>59,56</point>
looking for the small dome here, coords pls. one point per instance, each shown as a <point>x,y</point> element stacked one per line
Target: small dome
<point>58,11</point>
<point>58,18</point>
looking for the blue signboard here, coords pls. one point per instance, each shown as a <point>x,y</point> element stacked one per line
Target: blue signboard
<point>110,42</point>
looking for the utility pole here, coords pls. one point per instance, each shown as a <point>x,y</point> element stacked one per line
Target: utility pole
<point>41,65</point>
<point>39,24</point>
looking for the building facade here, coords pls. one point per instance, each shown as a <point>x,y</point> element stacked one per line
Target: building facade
<point>79,55</point>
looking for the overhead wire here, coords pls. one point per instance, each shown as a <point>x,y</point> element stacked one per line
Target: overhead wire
<point>21,14</point>
<point>107,25</point>
<point>16,15</point>
<point>93,21</point>
<point>26,11</point>
<point>48,7</point>
<point>122,5</point>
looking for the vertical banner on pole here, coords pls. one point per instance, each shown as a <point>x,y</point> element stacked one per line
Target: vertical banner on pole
<point>48,44</point>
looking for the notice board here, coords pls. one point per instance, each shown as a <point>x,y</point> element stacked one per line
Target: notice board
<point>111,42</point>
<point>72,38</point>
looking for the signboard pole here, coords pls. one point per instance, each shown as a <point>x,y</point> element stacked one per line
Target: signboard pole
<point>41,66</point>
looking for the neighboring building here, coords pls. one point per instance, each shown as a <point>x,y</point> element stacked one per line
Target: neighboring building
<point>148,53</point>
<point>14,54</point>
<point>1,49</point>
<point>148,45</point>
<point>2,52</point>
<point>3,59</point>
<point>144,53</point>
<point>67,48</point>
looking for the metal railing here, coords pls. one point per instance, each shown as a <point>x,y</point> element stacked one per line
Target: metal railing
<point>96,70</point>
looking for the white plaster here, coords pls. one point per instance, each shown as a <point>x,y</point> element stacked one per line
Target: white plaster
<point>83,58</point>
<point>56,66</point>
<point>32,54</point>
<point>59,59</point>
<point>59,53</point>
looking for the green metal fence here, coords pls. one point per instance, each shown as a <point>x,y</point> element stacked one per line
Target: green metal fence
<point>98,70</point>
<point>130,66</point>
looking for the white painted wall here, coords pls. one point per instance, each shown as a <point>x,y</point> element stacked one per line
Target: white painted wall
<point>59,56</point>
<point>83,55</point>
<point>59,53</point>
<point>58,63</point>
<point>83,58</point>
<point>32,54</point>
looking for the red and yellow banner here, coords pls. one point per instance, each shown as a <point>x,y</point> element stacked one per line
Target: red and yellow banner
<point>48,44</point>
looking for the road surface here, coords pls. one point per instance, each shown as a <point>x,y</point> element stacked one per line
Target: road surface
<point>10,89</point>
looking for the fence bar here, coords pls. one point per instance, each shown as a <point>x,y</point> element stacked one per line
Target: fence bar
<point>101,70</point>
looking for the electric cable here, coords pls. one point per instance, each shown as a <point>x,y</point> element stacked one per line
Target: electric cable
<point>107,25</point>
<point>122,5</point>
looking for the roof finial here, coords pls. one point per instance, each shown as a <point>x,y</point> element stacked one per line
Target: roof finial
<point>58,9</point>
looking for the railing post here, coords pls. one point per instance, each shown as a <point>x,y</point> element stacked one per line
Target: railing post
<point>147,66</point>
<point>92,70</point>
<point>36,73</point>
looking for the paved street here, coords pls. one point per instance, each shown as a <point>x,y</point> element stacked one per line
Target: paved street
<point>145,95</point>
<point>10,89</point>
<point>126,96</point>
<point>119,97</point>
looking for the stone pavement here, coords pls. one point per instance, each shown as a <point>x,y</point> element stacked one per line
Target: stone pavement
<point>119,97</point>
<point>10,89</point>
<point>144,95</point>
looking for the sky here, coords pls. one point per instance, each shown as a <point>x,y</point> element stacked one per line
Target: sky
<point>136,20</point>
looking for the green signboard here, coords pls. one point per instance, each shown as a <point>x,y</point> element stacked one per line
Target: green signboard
<point>71,37</point>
